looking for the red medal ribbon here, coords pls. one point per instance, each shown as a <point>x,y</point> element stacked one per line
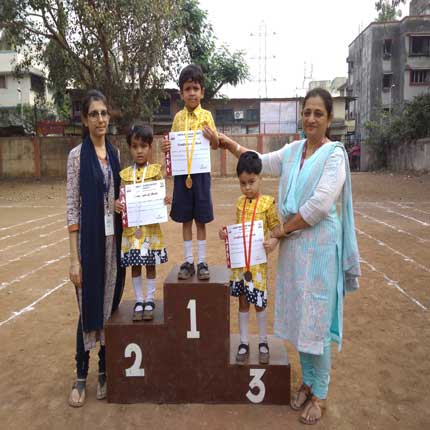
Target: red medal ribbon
<point>248,254</point>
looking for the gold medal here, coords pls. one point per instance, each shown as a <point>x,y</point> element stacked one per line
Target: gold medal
<point>248,276</point>
<point>188,182</point>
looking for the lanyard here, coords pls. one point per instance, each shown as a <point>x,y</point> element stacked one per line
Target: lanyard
<point>106,186</point>
<point>248,253</point>
<point>144,172</point>
<point>193,144</point>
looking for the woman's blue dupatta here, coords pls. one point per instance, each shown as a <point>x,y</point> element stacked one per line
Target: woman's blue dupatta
<point>297,186</point>
<point>92,234</point>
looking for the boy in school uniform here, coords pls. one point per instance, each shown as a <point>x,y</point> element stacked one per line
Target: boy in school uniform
<point>192,193</point>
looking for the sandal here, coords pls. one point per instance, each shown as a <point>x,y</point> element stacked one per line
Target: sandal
<point>242,357</point>
<point>77,395</point>
<point>300,398</point>
<point>148,314</point>
<point>138,315</point>
<point>101,387</point>
<point>313,411</point>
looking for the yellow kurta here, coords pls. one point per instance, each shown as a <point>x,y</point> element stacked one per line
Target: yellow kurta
<point>197,119</point>
<point>142,245</point>
<point>255,290</point>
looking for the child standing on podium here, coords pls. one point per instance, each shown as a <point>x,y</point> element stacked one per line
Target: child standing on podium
<point>250,283</point>
<point>192,192</point>
<point>142,245</point>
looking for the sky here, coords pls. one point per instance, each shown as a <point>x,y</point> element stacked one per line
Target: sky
<point>314,32</point>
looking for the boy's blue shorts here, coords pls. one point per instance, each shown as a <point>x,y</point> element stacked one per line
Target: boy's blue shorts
<point>194,203</point>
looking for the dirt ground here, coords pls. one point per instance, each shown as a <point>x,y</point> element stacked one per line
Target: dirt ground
<point>380,380</point>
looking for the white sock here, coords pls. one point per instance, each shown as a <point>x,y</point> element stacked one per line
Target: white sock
<point>138,294</point>
<point>201,251</point>
<point>188,251</point>
<point>243,329</point>
<point>262,326</point>
<point>150,292</point>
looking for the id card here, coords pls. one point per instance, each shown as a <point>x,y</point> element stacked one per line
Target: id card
<point>109,229</point>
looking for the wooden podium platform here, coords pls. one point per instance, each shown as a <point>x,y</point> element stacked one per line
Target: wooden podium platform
<point>186,354</point>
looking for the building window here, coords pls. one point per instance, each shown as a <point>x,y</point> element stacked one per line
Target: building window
<point>350,67</point>
<point>2,81</point>
<point>387,81</point>
<point>38,84</point>
<point>251,115</point>
<point>386,50</point>
<point>224,116</point>
<point>420,77</point>
<point>420,45</point>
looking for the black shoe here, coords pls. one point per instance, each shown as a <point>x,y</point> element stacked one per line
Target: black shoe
<point>186,271</point>
<point>203,271</point>
<point>242,358</point>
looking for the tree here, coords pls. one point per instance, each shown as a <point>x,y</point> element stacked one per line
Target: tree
<point>388,130</point>
<point>388,10</point>
<point>129,49</point>
<point>126,48</point>
<point>219,65</point>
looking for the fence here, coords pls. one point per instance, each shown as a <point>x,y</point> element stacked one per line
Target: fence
<point>47,156</point>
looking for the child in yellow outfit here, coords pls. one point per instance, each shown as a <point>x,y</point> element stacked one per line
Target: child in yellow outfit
<point>251,288</point>
<point>143,245</point>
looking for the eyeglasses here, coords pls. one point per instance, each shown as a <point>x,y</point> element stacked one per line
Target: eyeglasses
<point>95,114</point>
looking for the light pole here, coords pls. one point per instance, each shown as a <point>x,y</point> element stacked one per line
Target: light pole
<point>20,102</point>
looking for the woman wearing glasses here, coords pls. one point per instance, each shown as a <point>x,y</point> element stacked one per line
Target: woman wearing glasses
<point>95,238</point>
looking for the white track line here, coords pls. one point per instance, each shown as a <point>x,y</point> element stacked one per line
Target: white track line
<point>394,284</point>
<point>26,241</point>
<point>4,285</point>
<point>30,221</point>
<point>53,231</point>
<point>14,245</point>
<point>399,230</point>
<point>425,224</point>
<point>405,257</point>
<point>404,206</point>
<point>40,248</point>
<point>39,227</point>
<point>30,307</point>
<point>27,207</point>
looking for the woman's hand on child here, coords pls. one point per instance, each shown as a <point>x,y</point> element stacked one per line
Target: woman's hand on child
<point>119,207</point>
<point>270,244</point>
<point>165,145</point>
<point>168,200</point>
<point>222,234</point>
<point>212,135</point>
<point>75,273</point>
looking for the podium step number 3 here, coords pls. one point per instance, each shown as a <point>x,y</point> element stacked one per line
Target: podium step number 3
<point>186,353</point>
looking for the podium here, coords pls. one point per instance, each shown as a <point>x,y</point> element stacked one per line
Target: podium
<point>186,354</point>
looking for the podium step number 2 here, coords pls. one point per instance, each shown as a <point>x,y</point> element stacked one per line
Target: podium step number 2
<point>186,354</point>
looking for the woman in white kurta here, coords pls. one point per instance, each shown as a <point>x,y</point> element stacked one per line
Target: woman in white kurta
<point>318,257</point>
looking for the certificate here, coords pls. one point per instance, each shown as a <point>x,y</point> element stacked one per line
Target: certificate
<point>234,244</point>
<point>176,159</point>
<point>144,203</point>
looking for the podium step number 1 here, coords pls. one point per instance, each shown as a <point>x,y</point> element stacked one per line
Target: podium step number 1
<point>186,354</point>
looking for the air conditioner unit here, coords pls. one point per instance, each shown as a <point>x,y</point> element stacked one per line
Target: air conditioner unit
<point>239,114</point>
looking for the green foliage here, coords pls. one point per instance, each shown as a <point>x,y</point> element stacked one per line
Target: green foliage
<point>28,116</point>
<point>388,129</point>
<point>220,66</point>
<point>388,10</point>
<point>129,49</point>
<point>126,48</point>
